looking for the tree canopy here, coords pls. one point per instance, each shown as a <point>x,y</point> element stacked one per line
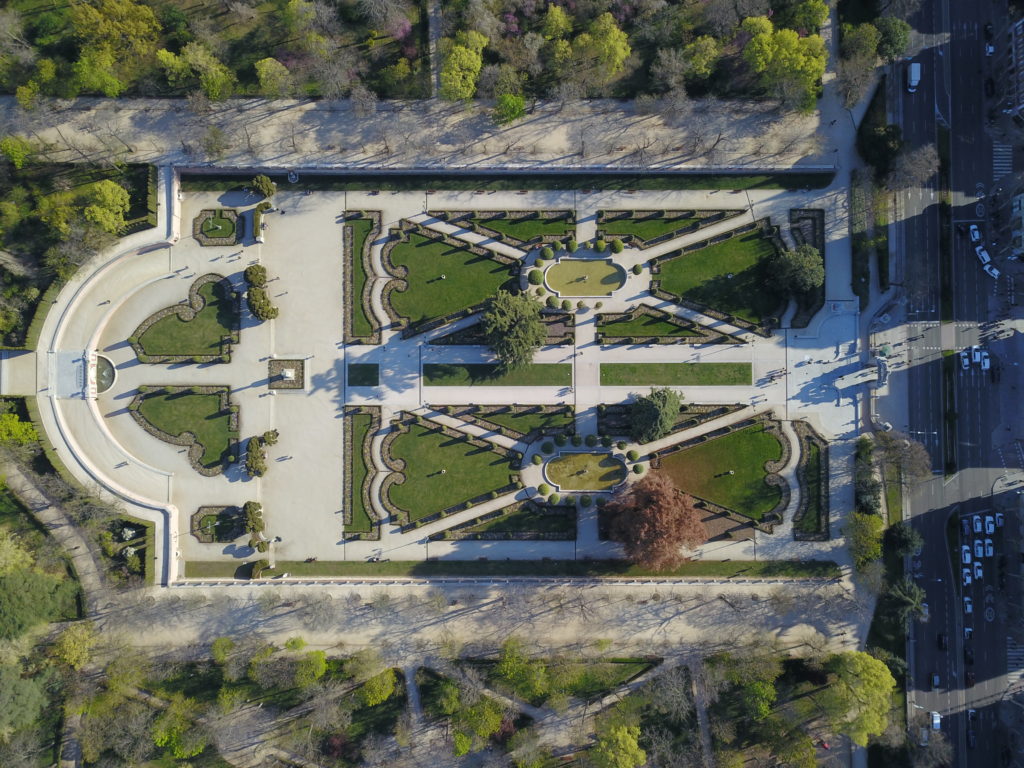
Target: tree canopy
<point>894,36</point>
<point>653,416</point>
<point>858,700</point>
<point>798,271</point>
<point>29,598</point>
<point>107,204</point>
<point>653,520</point>
<point>789,65</point>
<point>21,698</point>
<point>618,747</point>
<point>513,328</point>
<point>864,533</point>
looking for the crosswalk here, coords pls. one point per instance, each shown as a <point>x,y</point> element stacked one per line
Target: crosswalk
<point>1002,160</point>
<point>1014,663</point>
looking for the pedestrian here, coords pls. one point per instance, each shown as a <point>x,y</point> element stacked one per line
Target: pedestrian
<point>833,122</point>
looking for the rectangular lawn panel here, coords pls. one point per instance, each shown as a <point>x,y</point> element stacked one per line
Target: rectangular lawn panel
<point>647,228</point>
<point>361,228</point>
<point>485,374</point>
<point>703,276</point>
<point>468,279</point>
<point>199,336</point>
<point>643,325</point>
<point>199,414</point>
<point>526,519</point>
<point>527,421</point>
<point>363,375</point>
<point>469,471</point>
<point>527,229</point>
<point>704,470</point>
<point>361,522</point>
<point>676,374</point>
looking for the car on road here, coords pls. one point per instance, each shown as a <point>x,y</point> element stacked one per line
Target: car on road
<point>982,254</point>
<point>966,573</point>
<point>975,233</point>
<point>972,715</point>
<point>925,615</point>
<point>991,271</point>
<point>965,359</point>
<point>968,633</point>
<point>934,680</point>
<point>999,519</point>
<point>971,738</point>
<point>936,721</point>
<point>968,605</point>
<point>976,354</point>
<point>989,49</point>
<point>988,31</point>
<point>965,526</point>
<point>965,554</point>
<point>943,640</point>
<point>976,523</point>
<point>979,548</point>
<point>986,360</point>
<point>968,654</point>
<point>979,571</point>
<point>990,524</point>
<point>989,549</point>
<point>970,679</point>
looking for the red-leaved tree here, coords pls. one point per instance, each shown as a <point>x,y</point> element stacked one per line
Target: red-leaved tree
<point>653,519</point>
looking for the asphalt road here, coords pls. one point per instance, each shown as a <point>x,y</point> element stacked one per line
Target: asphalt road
<point>952,95</point>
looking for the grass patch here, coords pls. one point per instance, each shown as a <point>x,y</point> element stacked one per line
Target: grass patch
<point>704,470</point>
<point>810,521</point>
<point>218,225</point>
<point>893,493</point>
<point>199,336</point>
<point>586,680</point>
<point>483,374</point>
<point>717,569</point>
<point>526,229</point>
<point>360,520</point>
<point>517,181</point>
<point>586,471</point>
<point>363,374</point>
<point>179,412</point>
<point>469,471</point>
<point>585,277</point>
<point>526,519</point>
<point>527,421</point>
<point>648,228</point>
<point>880,203</point>
<point>468,279</point>
<point>703,276</point>
<point>642,325</point>
<point>362,325</point>
<point>676,374</point>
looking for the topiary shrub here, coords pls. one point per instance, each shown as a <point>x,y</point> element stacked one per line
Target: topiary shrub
<point>566,305</point>
<point>543,489</point>
<point>547,447</point>
<point>600,246</point>
<point>585,500</point>
<point>632,454</point>
<point>546,252</point>
<point>539,291</point>
<point>637,269</point>
<point>571,245</point>
<point>580,304</point>
<point>638,469</point>
<point>591,441</point>
<point>577,440</point>
<point>606,441</point>
<point>552,302</point>
<point>599,305</point>
<point>535,277</point>
<point>561,440</point>
<point>621,445</point>
<point>554,498</point>
<point>259,567</point>
<point>537,459</point>
<point>617,246</point>
<point>256,274</point>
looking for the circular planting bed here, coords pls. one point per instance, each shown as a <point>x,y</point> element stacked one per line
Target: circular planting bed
<point>584,277</point>
<point>585,472</point>
<point>216,226</point>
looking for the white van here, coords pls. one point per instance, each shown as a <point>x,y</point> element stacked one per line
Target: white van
<point>913,76</point>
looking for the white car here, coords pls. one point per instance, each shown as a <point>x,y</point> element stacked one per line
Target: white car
<point>989,49</point>
<point>936,721</point>
<point>968,633</point>
<point>983,256</point>
<point>976,521</point>
<point>965,554</point>
<point>968,605</point>
<point>991,271</point>
<point>966,572</point>
<point>975,354</point>
<point>986,363</point>
<point>990,525</point>
<point>965,359</point>
<point>979,549</point>
<point>979,571</point>
<point>999,519</point>
<point>975,233</point>
<point>989,549</point>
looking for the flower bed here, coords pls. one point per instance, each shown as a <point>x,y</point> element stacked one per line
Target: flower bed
<point>358,270</point>
<point>358,455</point>
<point>217,525</point>
<point>683,331</point>
<point>275,373</point>
<point>207,226</point>
<point>811,519</point>
<point>807,225</point>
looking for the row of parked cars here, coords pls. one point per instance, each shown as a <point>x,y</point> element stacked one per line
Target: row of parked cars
<point>981,253</point>
<point>977,356</point>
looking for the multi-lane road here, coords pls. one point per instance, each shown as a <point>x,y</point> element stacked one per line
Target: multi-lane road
<point>952,97</point>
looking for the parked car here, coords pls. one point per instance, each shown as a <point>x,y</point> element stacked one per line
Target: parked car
<point>972,715</point>
<point>975,233</point>
<point>977,523</point>
<point>979,548</point>
<point>976,354</point>
<point>966,573</point>
<point>936,721</point>
<point>965,554</point>
<point>965,359</point>
<point>991,271</point>
<point>968,633</point>
<point>990,524</point>
<point>979,572</point>
<point>968,654</point>
<point>982,254</point>
<point>934,680</point>
<point>965,526</point>
<point>986,360</point>
<point>971,738</point>
<point>999,519</point>
<point>968,605</point>
<point>989,49</point>
<point>989,549</point>
<point>943,640</point>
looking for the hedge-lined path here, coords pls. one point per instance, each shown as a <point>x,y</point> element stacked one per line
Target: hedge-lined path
<point>472,430</point>
<point>468,235</point>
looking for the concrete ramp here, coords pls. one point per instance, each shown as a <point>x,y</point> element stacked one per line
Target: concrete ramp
<point>18,373</point>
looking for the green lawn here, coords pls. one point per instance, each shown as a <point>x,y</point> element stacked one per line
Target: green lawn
<point>648,227</point>
<point>201,415</point>
<point>199,336</point>
<point>469,471</point>
<point>584,277</point>
<point>218,225</point>
<point>643,325</point>
<point>718,569</point>
<point>703,470</point>
<point>526,519</point>
<point>527,230</point>
<point>596,679</point>
<point>676,374</point>
<point>359,423</point>
<point>363,375</point>
<point>468,279</point>
<point>703,276</point>
<point>469,374</point>
<point>361,323</point>
<point>527,421</point>
<point>586,471</point>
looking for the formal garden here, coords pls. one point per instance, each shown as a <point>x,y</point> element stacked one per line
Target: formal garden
<point>515,228</point>
<point>361,227</point>
<point>359,425</point>
<point>643,229</point>
<point>676,374</point>
<point>585,471</point>
<point>649,325</point>
<point>584,277</point>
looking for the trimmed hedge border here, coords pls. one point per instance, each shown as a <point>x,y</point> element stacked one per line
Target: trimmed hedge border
<point>774,516</point>
<point>210,537</point>
<point>706,219</point>
<point>654,264</point>
<point>224,213</point>
<point>188,439</point>
<point>807,435</point>
<point>400,426</point>
<point>459,218</point>
<point>614,419</point>
<point>398,274</point>
<point>704,334</point>
<point>477,414</point>
<point>348,287</point>
<point>364,491</point>
<point>473,335</point>
<point>807,225</point>
<point>460,532</point>
<point>187,312</point>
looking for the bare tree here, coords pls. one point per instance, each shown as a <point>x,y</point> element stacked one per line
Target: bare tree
<point>364,101</point>
<point>938,752</point>
<point>381,13</point>
<point>913,167</point>
<point>901,9</point>
<point>14,48</point>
